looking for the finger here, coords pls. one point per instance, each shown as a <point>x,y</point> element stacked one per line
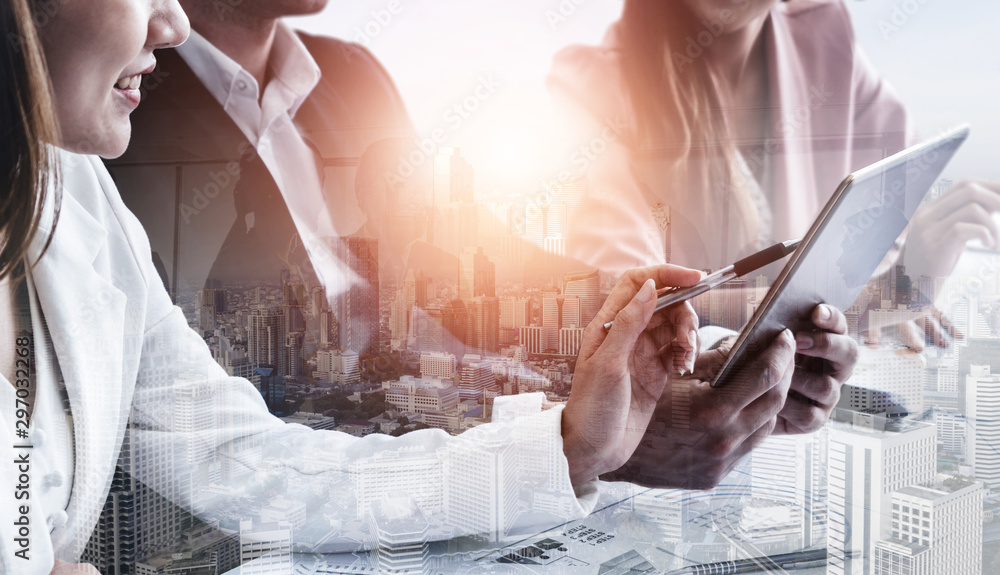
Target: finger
<point>632,280</point>
<point>982,192</point>
<point>816,388</point>
<point>766,407</point>
<point>799,416</point>
<point>946,323</point>
<point>839,351</point>
<point>630,323</point>
<point>913,335</point>
<point>970,219</point>
<point>933,332</point>
<point>763,373</point>
<point>829,318</point>
<point>707,364</point>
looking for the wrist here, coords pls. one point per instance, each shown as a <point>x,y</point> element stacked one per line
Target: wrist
<point>584,463</point>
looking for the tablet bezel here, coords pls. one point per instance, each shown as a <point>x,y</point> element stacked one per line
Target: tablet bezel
<point>750,337</point>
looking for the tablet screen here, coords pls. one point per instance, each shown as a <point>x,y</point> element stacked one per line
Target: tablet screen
<point>844,247</point>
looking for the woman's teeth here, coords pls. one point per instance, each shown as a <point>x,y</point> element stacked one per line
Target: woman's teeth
<point>129,82</point>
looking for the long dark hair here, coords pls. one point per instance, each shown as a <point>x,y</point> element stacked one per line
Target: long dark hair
<point>27,128</point>
<point>677,107</point>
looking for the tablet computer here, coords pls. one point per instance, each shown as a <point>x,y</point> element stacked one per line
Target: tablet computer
<point>844,247</point>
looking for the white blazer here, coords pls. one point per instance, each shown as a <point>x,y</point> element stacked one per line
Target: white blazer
<point>829,114</point>
<point>126,351</point>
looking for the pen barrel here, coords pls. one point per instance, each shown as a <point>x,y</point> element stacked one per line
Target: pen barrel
<point>761,259</point>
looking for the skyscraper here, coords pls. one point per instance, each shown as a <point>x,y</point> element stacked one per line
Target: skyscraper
<point>357,307</point>
<point>483,331</point>
<point>515,313</point>
<point>587,287</point>
<point>982,412</point>
<point>476,274</point>
<point>266,337</point>
<point>481,482</point>
<point>453,178</point>
<point>870,458</point>
<point>936,528</point>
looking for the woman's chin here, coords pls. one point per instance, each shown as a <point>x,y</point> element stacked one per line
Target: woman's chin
<point>108,144</point>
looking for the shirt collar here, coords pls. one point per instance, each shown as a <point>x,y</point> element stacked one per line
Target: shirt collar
<point>291,64</point>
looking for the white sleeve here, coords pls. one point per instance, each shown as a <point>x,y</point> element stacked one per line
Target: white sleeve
<point>207,442</point>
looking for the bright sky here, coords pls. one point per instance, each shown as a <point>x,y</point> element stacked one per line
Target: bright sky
<point>944,59</point>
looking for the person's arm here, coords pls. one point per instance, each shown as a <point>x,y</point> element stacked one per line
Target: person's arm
<point>188,416</point>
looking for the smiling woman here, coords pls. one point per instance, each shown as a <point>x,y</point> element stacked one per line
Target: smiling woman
<point>97,88</point>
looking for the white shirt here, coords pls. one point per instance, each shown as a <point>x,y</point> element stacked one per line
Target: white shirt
<point>50,429</point>
<point>268,123</point>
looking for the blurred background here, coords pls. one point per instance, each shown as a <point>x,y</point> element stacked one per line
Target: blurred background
<point>942,57</point>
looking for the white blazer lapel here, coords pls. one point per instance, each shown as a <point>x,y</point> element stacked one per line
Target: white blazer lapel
<point>85,313</point>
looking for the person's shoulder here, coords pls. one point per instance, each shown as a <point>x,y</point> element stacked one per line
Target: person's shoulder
<point>825,14</point>
<point>340,57</point>
<point>353,78</point>
<point>821,32</point>
<point>591,76</point>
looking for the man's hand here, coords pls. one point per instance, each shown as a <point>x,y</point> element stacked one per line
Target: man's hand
<point>938,231</point>
<point>700,433</point>
<point>621,372</point>
<point>929,326</point>
<point>827,359</point>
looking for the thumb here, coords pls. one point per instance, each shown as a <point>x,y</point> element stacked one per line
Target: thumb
<point>631,321</point>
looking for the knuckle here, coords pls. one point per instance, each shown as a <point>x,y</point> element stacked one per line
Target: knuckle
<point>721,449</point>
<point>774,401</point>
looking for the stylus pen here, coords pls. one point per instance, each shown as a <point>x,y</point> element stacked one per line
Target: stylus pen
<point>785,561</point>
<point>728,273</point>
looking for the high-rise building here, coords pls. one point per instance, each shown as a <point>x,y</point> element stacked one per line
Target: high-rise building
<point>476,274</point>
<point>792,469</point>
<point>871,457</point>
<point>936,528</point>
<point>441,328</point>
<point>532,339</point>
<point>587,287</point>
<point>481,482</point>
<point>211,302</point>
<point>415,285</point>
<point>982,412</point>
<point>338,366</point>
<point>570,341</point>
<point>272,388</point>
<point>552,304</point>
<point>483,331</point>
<point>477,375</point>
<point>398,532</point>
<point>976,351</point>
<point>515,313</point>
<point>266,337</point>
<point>399,321</point>
<point>453,178</point>
<point>357,307</point>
